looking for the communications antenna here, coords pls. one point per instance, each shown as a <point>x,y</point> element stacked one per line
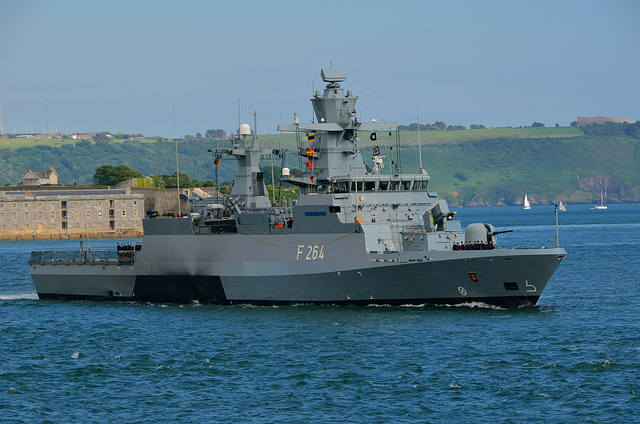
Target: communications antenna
<point>48,120</point>
<point>175,138</point>
<point>239,124</point>
<point>1,127</point>
<point>419,141</point>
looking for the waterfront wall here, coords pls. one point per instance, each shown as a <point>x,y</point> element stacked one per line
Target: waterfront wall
<point>54,213</point>
<point>21,235</point>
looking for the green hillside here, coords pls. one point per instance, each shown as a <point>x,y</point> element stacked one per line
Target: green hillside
<point>468,167</point>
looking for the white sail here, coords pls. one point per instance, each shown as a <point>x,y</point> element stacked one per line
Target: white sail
<point>601,205</point>
<point>561,207</point>
<point>527,205</point>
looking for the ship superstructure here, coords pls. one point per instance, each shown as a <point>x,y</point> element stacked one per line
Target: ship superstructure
<point>355,235</point>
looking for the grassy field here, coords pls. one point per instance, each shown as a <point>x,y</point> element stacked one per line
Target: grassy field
<point>437,137</point>
<point>441,137</point>
<point>16,143</point>
<point>488,166</point>
<point>384,139</point>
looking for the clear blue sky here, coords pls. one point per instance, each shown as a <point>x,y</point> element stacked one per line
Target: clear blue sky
<point>123,66</point>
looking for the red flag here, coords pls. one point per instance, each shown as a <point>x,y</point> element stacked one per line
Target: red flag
<point>309,165</point>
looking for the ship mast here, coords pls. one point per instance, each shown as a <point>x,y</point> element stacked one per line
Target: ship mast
<point>336,129</point>
<point>175,138</point>
<point>419,141</point>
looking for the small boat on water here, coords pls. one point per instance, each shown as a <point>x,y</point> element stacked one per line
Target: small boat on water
<point>527,205</point>
<point>355,235</point>
<point>601,206</point>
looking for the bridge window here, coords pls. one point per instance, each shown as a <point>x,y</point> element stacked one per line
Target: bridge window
<point>420,185</point>
<point>340,187</point>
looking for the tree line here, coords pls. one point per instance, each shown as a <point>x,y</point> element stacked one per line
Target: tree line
<point>107,175</point>
<point>437,126</point>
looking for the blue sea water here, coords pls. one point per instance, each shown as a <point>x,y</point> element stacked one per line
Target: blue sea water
<point>574,358</point>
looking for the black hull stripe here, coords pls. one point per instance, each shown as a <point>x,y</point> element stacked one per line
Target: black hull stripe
<point>503,302</point>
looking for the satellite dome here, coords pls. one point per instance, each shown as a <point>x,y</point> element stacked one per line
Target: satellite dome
<point>245,129</point>
<point>286,172</point>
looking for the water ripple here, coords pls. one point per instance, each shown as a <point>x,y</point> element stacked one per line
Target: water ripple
<point>573,359</point>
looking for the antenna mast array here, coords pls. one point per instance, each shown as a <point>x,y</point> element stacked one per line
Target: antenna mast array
<point>419,141</point>
<point>175,138</point>
<point>1,127</point>
<point>48,120</point>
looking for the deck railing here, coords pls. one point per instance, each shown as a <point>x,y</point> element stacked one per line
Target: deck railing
<point>81,257</point>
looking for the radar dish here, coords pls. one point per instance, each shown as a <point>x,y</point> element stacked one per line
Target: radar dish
<point>245,129</point>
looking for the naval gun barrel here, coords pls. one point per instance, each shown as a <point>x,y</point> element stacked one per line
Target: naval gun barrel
<point>495,233</point>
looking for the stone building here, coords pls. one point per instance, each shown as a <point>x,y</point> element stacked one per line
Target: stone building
<point>55,214</point>
<point>40,178</point>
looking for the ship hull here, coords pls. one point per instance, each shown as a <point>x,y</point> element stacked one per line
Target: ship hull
<point>199,269</point>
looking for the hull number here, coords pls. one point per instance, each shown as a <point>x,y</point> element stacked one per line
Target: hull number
<point>310,253</point>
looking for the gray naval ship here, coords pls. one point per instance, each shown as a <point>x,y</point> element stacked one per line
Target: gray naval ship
<point>355,235</point>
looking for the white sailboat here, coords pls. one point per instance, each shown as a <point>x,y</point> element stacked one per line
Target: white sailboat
<point>527,205</point>
<point>561,207</point>
<point>601,205</point>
